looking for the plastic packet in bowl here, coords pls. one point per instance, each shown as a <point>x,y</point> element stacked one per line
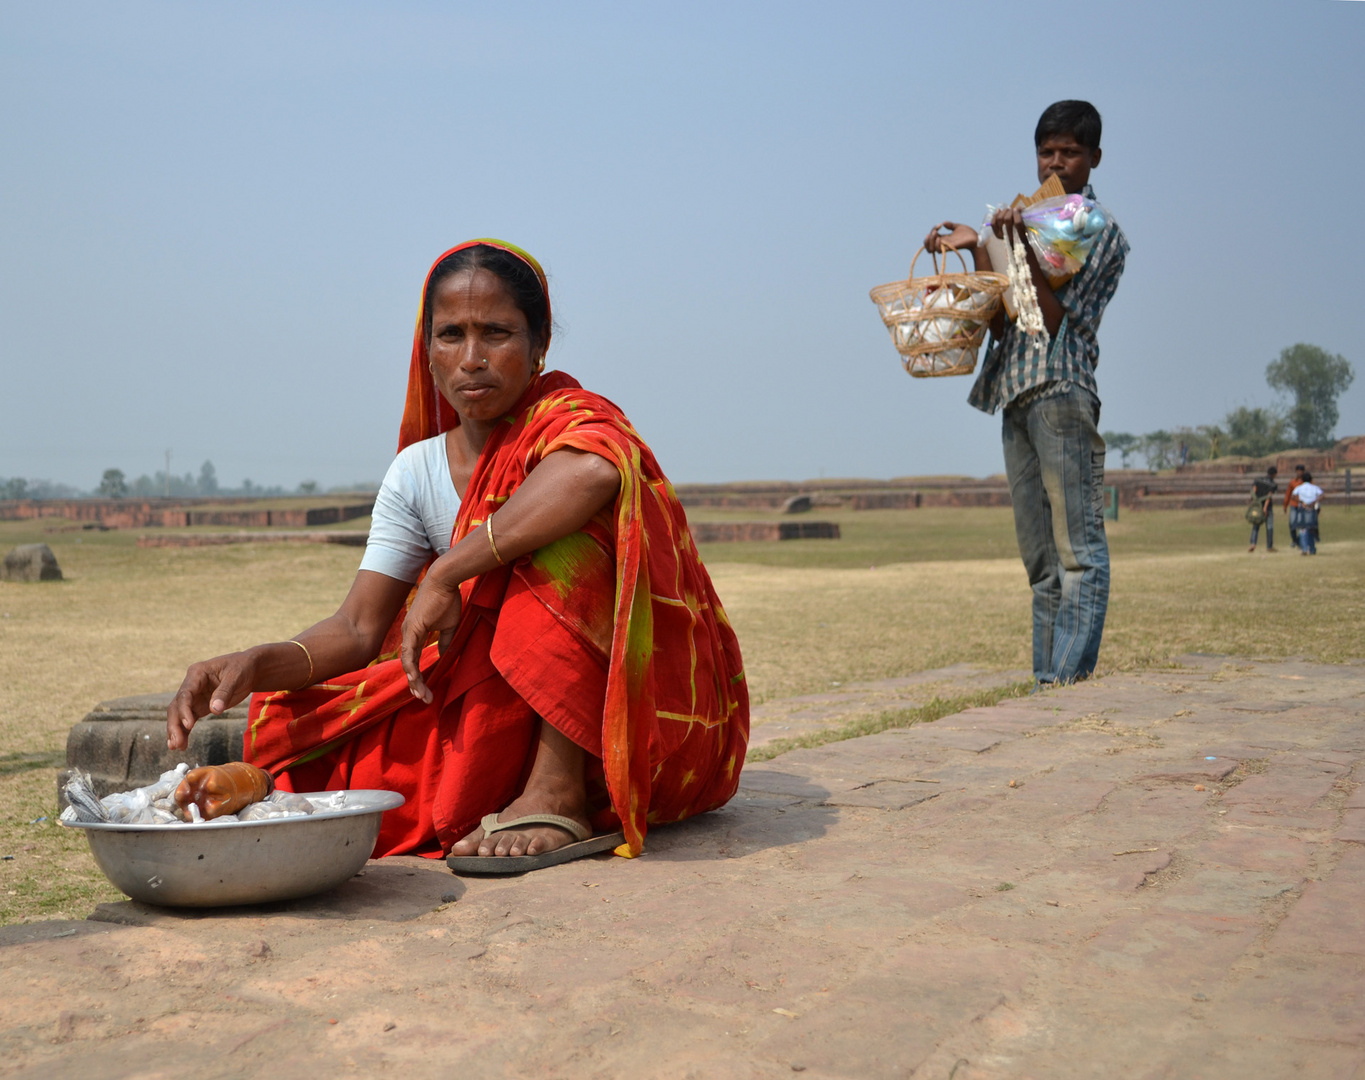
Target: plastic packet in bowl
<point>129,807</point>
<point>333,800</point>
<point>278,804</point>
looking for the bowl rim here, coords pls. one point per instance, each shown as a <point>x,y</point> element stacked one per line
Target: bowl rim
<point>375,800</point>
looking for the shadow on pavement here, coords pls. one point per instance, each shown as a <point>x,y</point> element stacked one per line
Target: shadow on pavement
<point>389,890</point>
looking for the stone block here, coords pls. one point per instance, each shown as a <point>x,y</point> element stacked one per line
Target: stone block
<point>1250,848</point>
<point>122,743</point>
<point>945,737</point>
<point>1329,917</point>
<point>1227,892</point>
<point>1273,792</point>
<point>725,532</point>
<point>1314,1001</point>
<point>889,1017</point>
<point>778,782</point>
<point>30,562</point>
<point>885,795</point>
<point>1195,771</point>
<point>1178,951</point>
<point>1352,826</point>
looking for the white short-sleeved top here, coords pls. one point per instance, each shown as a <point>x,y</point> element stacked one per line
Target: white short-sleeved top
<point>1308,493</point>
<point>414,512</point>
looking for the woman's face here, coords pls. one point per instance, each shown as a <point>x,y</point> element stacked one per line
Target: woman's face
<point>481,351</point>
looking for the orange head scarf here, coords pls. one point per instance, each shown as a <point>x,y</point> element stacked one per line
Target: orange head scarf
<point>425,412</point>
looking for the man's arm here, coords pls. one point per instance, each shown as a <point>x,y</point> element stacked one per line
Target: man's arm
<point>961,237</point>
<point>964,238</point>
<point>1008,220</point>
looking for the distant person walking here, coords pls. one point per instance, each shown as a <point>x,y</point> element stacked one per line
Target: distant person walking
<point>1263,500</point>
<point>1290,502</point>
<point>1305,515</point>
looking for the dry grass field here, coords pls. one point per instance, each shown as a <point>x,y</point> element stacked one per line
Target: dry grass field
<point>903,591</point>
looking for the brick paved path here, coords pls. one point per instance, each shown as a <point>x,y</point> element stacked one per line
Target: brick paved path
<point>1156,875</point>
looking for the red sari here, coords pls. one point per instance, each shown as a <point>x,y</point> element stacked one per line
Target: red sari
<point>613,634</point>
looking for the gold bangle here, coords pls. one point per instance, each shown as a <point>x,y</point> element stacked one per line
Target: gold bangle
<point>491,544</point>
<point>301,645</point>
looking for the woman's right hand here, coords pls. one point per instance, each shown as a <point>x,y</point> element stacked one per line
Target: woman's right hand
<point>210,686</point>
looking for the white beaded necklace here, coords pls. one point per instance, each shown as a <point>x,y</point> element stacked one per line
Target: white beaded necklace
<point>1026,296</point>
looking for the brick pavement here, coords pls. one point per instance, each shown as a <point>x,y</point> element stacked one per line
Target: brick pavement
<point>1151,875</point>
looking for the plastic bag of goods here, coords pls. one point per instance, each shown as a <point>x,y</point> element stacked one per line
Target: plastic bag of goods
<point>1062,231</point>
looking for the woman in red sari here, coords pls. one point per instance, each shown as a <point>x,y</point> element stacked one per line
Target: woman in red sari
<point>563,669</point>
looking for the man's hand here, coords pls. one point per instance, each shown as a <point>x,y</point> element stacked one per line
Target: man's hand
<point>1010,219</point>
<point>957,238</point>
<point>210,686</point>
<point>1007,217</point>
<point>436,606</point>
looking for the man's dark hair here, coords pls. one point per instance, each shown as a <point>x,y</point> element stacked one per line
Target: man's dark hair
<point>1307,476</point>
<point>1271,471</point>
<point>1079,119</point>
<point>520,279</point>
<point>1300,468</point>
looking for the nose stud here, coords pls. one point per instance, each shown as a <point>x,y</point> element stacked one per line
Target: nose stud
<point>483,362</point>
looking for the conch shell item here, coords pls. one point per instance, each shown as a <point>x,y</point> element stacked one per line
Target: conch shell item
<point>216,790</point>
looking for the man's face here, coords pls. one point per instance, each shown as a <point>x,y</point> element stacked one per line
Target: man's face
<point>1063,157</point>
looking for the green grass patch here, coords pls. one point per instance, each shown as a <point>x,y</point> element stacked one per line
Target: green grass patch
<point>927,713</point>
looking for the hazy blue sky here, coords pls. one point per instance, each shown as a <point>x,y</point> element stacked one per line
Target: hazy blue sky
<point>217,217</point>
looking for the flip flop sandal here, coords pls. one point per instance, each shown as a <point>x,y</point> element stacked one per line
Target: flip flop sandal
<point>586,844</point>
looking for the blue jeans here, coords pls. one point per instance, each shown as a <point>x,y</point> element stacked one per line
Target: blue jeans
<point>1269,532</point>
<point>1054,458</point>
<point>1306,521</point>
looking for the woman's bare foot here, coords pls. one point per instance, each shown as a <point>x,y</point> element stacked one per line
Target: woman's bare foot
<point>555,786</point>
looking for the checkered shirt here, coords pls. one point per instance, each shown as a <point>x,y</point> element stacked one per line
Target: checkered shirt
<point>1010,372</point>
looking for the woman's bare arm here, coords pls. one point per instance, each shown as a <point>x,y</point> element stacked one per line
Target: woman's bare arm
<point>558,497</point>
<point>343,642</point>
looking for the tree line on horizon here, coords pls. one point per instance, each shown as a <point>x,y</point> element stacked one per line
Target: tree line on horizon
<point>114,484</point>
<point>1311,377</point>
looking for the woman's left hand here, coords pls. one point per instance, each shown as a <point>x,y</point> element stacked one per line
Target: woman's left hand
<point>558,497</point>
<point>436,606</point>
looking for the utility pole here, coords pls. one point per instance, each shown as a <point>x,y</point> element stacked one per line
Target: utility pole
<point>168,474</point>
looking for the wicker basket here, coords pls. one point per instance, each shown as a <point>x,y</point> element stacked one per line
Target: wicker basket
<point>938,322</point>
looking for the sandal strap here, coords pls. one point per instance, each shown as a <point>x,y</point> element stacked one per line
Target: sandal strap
<point>491,824</point>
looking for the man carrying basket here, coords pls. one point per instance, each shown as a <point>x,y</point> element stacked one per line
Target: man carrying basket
<point>1054,455</point>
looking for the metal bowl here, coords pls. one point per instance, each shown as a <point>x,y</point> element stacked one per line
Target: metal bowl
<point>241,862</point>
